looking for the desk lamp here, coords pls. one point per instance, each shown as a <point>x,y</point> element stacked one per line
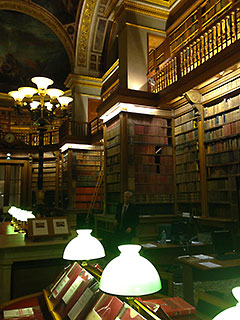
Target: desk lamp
<point>232,313</point>
<point>84,247</point>
<point>130,274</point>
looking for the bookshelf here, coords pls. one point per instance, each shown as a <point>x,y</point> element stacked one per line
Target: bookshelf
<point>51,181</point>
<point>222,146</point>
<point>187,159</point>
<point>150,163</point>
<point>81,168</point>
<point>113,158</point>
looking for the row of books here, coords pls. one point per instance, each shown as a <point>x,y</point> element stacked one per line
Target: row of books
<point>223,145</point>
<point>113,187</point>
<point>115,177</point>
<point>154,178</point>
<point>153,198</point>
<point>214,9</point>
<point>192,124</point>
<point>153,159</point>
<point>137,119</point>
<point>223,106</point>
<point>86,155</point>
<point>219,196</point>
<point>150,130</point>
<point>189,187</point>
<point>187,166</point>
<point>187,177</point>
<point>112,142</point>
<point>154,189</point>
<point>187,137</point>
<point>113,168</point>
<point>113,151</point>
<point>187,157</point>
<point>224,131</point>
<point>184,118</point>
<point>188,197</point>
<point>113,159</point>
<point>153,169</point>
<point>217,184</point>
<point>86,197</point>
<point>154,140</point>
<point>222,119</point>
<point>112,133</point>
<point>221,90</point>
<point>86,205</point>
<point>223,158</point>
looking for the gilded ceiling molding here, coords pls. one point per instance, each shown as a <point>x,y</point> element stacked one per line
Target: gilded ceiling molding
<point>45,17</point>
<point>142,9</point>
<point>84,32</point>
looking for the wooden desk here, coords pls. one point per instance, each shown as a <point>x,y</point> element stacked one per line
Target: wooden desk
<point>14,248</point>
<point>192,271</point>
<point>163,254</point>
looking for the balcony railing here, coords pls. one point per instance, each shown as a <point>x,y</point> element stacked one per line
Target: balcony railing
<point>202,48</point>
<point>69,130</point>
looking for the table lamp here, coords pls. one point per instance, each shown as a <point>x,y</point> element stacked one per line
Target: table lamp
<point>84,247</point>
<point>232,313</point>
<point>130,274</point>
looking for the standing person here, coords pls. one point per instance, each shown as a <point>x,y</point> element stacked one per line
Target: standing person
<point>126,220</point>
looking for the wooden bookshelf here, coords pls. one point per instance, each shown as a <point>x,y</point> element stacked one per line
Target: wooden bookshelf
<point>187,160</point>
<point>113,163</point>
<point>222,146</point>
<point>150,162</point>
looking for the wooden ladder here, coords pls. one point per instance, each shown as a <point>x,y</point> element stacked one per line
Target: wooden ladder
<point>95,193</point>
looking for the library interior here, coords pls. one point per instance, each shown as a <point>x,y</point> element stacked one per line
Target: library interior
<point>103,97</point>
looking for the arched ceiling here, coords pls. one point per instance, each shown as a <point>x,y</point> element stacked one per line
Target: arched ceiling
<point>56,37</point>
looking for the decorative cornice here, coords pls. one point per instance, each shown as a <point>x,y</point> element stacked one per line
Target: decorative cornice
<point>84,32</point>
<point>86,81</point>
<point>142,9</point>
<point>163,33</point>
<point>45,17</point>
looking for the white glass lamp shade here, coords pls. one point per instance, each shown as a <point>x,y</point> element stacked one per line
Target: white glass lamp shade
<point>232,313</point>
<point>54,93</point>
<point>48,105</point>
<point>64,101</point>
<point>130,274</point>
<point>27,92</point>
<point>84,247</point>
<point>17,95</point>
<point>34,104</point>
<point>41,82</point>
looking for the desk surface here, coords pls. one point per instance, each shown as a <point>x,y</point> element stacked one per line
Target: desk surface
<point>195,262</point>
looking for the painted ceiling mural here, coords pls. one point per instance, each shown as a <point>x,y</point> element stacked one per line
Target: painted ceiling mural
<point>28,48</point>
<point>63,10</point>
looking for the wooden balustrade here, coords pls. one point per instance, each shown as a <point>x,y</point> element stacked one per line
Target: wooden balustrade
<point>205,46</point>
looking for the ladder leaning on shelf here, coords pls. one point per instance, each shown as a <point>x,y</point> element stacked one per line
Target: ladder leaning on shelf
<point>95,193</point>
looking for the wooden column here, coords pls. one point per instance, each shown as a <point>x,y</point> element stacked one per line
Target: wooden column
<point>123,152</point>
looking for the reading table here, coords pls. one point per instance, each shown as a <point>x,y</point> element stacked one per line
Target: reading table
<point>14,248</point>
<point>205,268</point>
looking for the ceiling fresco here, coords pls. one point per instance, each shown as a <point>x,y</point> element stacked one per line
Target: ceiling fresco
<point>28,48</point>
<point>64,10</point>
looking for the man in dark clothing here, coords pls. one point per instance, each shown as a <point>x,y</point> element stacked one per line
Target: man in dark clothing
<point>126,220</point>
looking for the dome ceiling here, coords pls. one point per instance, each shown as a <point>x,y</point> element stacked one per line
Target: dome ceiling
<point>56,37</point>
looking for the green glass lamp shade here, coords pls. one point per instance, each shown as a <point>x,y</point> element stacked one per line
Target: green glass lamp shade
<point>84,247</point>
<point>130,274</point>
<point>232,313</point>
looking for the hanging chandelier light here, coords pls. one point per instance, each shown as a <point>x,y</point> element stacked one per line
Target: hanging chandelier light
<point>43,104</point>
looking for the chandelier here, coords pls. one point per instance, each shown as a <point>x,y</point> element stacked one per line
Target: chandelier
<point>44,104</point>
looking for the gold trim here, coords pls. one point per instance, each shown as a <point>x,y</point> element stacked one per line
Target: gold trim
<point>146,28</point>
<point>83,33</point>
<point>110,70</point>
<point>142,9</point>
<point>86,81</point>
<point>46,18</point>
